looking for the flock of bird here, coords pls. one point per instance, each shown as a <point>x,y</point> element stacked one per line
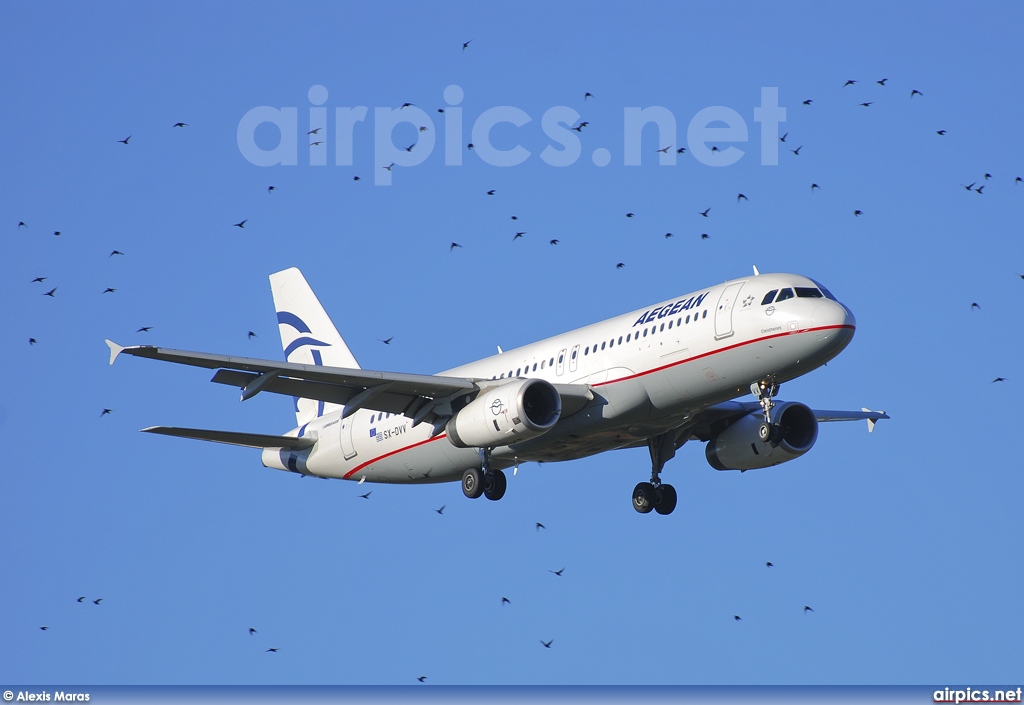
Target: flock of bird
<point>976,187</point>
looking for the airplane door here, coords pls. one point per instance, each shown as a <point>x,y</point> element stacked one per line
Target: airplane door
<point>574,358</point>
<point>561,362</point>
<point>348,448</point>
<point>723,315</point>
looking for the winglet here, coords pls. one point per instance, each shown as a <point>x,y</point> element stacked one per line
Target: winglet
<point>115,350</point>
<point>872,421</point>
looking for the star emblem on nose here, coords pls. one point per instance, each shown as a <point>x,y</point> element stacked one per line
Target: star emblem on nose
<point>747,301</point>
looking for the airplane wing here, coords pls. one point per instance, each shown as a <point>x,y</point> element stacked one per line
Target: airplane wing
<point>731,410</point>
<point>419,397</point>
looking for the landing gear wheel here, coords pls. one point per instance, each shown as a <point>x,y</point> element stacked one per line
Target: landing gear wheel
<point>666,499</point>
<point>494,485</point>
<point>644,497</point>
<point>764,431</point>
<point>473,483</point>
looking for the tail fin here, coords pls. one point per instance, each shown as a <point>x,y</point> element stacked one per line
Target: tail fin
<point>307,335</point>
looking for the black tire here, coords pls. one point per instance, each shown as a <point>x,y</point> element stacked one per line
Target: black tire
<point>473,483</point>
<point>494,485</point>
<point>666,499</point>
<point>643,497</point>
<point>764,431</point>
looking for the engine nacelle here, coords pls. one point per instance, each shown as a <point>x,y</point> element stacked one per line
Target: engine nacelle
<point>739,447</point>
<point>504,415</point>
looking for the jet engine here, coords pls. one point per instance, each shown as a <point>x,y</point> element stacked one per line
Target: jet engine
<point>739,446</point>
<point>510,413</point>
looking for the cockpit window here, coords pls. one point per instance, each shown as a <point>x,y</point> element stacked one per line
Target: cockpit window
<point>828,294</point>
<point>807,292</point>
<point>769,297</point>
<point>785,294</point>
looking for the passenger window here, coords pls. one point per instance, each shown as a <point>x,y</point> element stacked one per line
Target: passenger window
<point>670,324</point>
<point>574,353</point>
<point>518,371</point>
<point>535,367</point>
<point>687,318</point>
<point>561,358</point>
<point>586,351</point>
<point>769,297</point>
<point>784,294</point>
<point>602,346</point>
<point>662,327</point>
<point>705,314</point>
<point>645,332</point>
<point>620,340</point>
<point>807,292</point>
<point>542,364</point>
<point>552,361</point>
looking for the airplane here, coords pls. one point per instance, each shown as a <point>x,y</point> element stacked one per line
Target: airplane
<point>657,377</point>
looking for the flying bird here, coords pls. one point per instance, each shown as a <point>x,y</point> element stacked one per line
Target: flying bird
<point>31,341</point>
<point>975,306</point>
<point>103,413</point>
<point>518,235</point>
<point>109,290</point>
<point>38,279</point>
<point>271,189</point>
<point>180,124</point>
<point>849,83</point>
<point>515,217</point>
<point>807,609</point>
<point>80,598</point>
<point>44,628</point>
<point>314,131</point>
<point>50,292</point>
<point>273,651</point>
<point>916,92</point>
<point>386,341</point>
<point>469,146</point>
<point>680,150</point>
<point>21,224</point>
<point>858,212</point>
<point>144,329</point>
<point>987,176</point>
<point>768,564</point>
<point>815,186</point>
<point>1018,180</point>
<point>251,335</point>
<point>741,197</point>
<point>999,379</point>
<point>630,215</point>
<point>882,82</point>
<point>704,236</point>
<point>99,599</point>
<point>705,212</point>
<point>540,526</point>
<point>553,242</point>
<point>388,167</point>
<point>453,246</point>
<point>557,572</point>
<point>57,233</point>
<point>421,678</point>
<point>115,252</point>
<point>736,617</point>
<point>668,235</point>
<point>588,94</point>
<point>797,150</point>
<point>783,138</point>
<point>491,192</point>
<point>808,101</point>
<point>664,150</point>
<point>241,223</point>
<point>465,45</point>
<point>125,140</point>
<point>320,142</point>
<point>506,601</point>
<point>441,510</point>
<point>406,105</point>
<point>866,105</point>
<point>367,495</point>
<point>547,644</point>
<point>620,265</point>
<point>940,132</point>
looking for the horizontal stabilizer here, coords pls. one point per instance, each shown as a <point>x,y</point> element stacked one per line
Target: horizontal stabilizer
<point>251,440</point>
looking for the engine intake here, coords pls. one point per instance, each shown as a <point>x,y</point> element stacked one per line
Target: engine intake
<point>504,415</point>
<point>739,447</point>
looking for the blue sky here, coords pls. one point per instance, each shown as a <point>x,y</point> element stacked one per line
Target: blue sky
<point>906,543</point>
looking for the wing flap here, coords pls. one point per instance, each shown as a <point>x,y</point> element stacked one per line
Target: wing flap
<point>251,440</point>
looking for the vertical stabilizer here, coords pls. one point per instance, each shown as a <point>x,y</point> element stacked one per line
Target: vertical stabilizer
<point>307,335</point>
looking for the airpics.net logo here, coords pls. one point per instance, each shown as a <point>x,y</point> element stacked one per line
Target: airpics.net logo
<point>711,134</point>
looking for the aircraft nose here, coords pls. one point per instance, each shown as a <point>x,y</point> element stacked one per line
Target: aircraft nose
<point>832,314</point>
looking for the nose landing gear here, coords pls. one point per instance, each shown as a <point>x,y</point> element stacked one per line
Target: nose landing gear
<point>768,432</point>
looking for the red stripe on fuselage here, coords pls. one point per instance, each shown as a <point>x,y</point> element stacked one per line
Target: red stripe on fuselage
<point>350,473</point>
<point>623,379</point>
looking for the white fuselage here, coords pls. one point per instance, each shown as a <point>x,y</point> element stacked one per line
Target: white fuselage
<point>649,370</point>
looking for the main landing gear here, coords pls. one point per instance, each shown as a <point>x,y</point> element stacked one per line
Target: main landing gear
<point>655,495</point>
<point>484,480</point>
<point>768,432</point>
